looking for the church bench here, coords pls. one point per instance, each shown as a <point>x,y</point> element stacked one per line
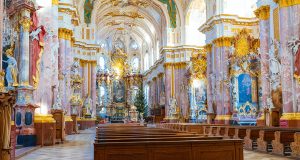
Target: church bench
<point>229,132</point>
<point>175,150</point>
<point>250,140</point>
<point>281,143</point>
<point>295,146</point>
<point>170,138</point>
<point>264,142</point>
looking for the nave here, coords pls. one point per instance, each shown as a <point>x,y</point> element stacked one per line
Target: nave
<point>80,147</point>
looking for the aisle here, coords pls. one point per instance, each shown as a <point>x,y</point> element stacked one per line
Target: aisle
<point>76,147</point>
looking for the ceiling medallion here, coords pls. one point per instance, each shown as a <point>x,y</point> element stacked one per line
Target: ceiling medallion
<point>125,3</point>
<point>133,15</point>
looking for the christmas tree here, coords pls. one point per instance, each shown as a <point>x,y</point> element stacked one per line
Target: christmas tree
<point>140,102</point>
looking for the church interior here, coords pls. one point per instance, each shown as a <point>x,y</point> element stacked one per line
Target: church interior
<point>149,79</point>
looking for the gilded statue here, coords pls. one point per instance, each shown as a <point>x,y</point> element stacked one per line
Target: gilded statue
<point>12,69</point>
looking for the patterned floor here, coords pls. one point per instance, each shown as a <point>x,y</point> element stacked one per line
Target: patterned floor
<point>80,147</point>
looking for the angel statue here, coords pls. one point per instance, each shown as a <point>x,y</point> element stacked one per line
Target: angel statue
<point>12,69</point>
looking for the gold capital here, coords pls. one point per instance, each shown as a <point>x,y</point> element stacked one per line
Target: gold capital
<point>26,23</point>
<point>208,48</point>
<point>263,12</point>
<point>54,2</point>
<point>287,3</point>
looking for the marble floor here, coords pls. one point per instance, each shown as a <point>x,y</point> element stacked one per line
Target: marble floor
<point>80,147</point>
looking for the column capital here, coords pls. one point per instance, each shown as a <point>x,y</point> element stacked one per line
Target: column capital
<point>26,23</point>
<point>55,2</point>
<point>263,12</point>
<point>208,48</point>
<point>287,3</point>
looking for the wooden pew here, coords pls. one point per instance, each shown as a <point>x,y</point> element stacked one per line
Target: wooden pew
<point>264,142</point>
<point>132,143</point>
<point>295,146</point>
<point>282,141</point>
<point>250,140</point>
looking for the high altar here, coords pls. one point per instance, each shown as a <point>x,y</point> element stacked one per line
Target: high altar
<point>118,84</point>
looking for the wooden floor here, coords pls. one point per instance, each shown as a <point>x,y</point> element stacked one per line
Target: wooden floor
<point>80,147</point>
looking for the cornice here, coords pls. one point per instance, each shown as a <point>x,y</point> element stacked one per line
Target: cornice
<point>227,18</point>
<point>223,41</point>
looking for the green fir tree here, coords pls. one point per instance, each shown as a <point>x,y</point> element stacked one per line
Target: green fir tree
<point>140,102</point>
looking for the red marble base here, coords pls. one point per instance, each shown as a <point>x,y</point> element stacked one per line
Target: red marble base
<point>69,127</point>
<point>46,133</point>
<point>13,141</point>
<point>86,123</point>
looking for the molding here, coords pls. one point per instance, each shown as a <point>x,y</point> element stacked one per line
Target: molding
<point>227,18</point>
<point>223,41</point>
<point>287,3</point>
<point>263,12</point>
<point>290,116</point>
<point>47,118</point>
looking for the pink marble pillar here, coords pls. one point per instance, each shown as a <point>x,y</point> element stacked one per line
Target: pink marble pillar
<point>264,26</point>
<point>93,87</point>
<point>289,29</point>
<point>226,82</point>
<point>209,82</point>
<point>218,80</point>
<point>61,68</point>
<point>68,63</point>
<point>168,87</point>
<point>85,74</point>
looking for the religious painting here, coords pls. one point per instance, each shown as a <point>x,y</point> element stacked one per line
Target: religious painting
<point>245,88</point>
<point>118,91</point>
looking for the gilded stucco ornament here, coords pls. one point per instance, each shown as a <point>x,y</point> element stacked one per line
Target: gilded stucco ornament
<point>26,23</point>
<point>199,67</point>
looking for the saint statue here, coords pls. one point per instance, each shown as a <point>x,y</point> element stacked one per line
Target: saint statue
<point>173,109</point>
<point>12,69</point>
<point>87,104</point>
<point>57,104</point>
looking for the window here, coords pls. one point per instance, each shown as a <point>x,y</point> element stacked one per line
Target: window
<point>102,63</point>
<point>135,64</point>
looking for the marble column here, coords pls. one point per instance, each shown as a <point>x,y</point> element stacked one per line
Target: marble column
<point>68,63</point>
<point>209,70</point>
<point>85,79</point>
<point>1,32</point>
<point>263,13</point>
<point>93,87</point>
<point>61,66</point>
<point>168,87</point>
<point>289,29</point>
<point>24,56</point>
<point>222,45</point>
